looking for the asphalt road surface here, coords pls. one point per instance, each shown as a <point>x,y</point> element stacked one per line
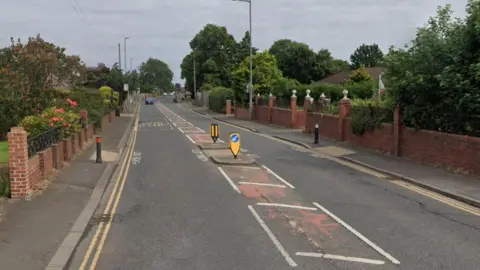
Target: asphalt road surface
<point>178,210</point>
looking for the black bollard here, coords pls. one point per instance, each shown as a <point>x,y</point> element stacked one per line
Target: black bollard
<point>315,141</point>
<point>99,149</point>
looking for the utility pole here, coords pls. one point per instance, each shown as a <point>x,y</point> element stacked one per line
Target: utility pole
<point>119,57</point>
<point>194,77</point>
<point>250,84</point>
<point>131,60</point>
<point>125,52</point>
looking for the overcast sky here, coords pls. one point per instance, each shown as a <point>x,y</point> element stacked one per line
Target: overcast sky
<point>163,28</point>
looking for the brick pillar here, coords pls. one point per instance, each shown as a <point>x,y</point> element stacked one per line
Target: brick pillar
<point>345,111</point>
<point>18,162</point>
<point>110,117</point>
<point>228,107</point>
<point>293,108</point>
<point>84,115</point>
<point>46,163</point>
<point>67,149</point>
<point>74,144</point>
<point>271,104</point>
<point>81,140</point>
<point>397,130</point>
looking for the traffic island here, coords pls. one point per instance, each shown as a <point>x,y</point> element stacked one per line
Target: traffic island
<point>230,160</point>
<point>213,146</point>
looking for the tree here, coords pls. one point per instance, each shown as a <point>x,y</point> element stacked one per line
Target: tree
<point>435,79</point>
<point>243,49</point>
<point>326,65</point>
<point>214,52</point>
<point>296,60</point>
<point>367,56</point>
<point>265,74</point>
<point>359,75</point>
<point>155,74</point>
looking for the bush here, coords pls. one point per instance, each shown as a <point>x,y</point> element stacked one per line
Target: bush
<point>362,90</point>
<point>67,121</point>
<point>218,98</point>
<point>369,114</point>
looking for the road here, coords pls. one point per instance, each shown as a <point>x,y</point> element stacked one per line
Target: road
<point>178,210</point>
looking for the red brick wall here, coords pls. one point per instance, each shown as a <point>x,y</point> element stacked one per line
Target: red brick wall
<point>456,152</point>
<point>67,149</point>
<point>58,155</point>
<point>281,117</point>
<point>242,113</point>
<point>34,173</point>
<point>262,114</point>
<point>300,120</point>
<point>46,163</point>
<point>380,139</point>
<point>327,125</point>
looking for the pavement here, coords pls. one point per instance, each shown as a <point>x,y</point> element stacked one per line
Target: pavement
<point>457,186</point>
<point>32,230</point>
<point>295,208</point>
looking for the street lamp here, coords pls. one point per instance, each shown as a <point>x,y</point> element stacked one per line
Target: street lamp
<point>250,85</point>
<point>125,52</point>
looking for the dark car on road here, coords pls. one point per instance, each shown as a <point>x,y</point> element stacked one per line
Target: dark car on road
<point>149,101</point>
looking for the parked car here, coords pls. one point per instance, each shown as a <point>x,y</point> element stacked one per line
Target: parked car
<point>149,101</point>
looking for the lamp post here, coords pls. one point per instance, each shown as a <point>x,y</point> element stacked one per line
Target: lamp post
<point>125,52</point>
<point>250,84</point>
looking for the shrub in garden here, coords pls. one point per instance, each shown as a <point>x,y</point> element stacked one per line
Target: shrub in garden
<point>106,92</point>
<point>368,114</point>
<point>218,98</point>
<point>67,121</point>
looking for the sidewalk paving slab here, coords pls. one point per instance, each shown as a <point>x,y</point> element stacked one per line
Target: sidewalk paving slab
<point>461,187</point>
<point>32,230</point>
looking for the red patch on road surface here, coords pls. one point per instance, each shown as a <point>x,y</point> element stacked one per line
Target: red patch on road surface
<point>191,130</point>
<point>244,174</point>
<point>315,223</point>
<point>201,138</point>
<point>260,192</point>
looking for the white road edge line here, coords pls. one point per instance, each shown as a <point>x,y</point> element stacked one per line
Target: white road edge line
<point>288,206</point>
<point>278,177</point>
<point>339,257</point>
<point>277,244</point>
<point>229,180</point>
<point>179,129</point>
<point>261,184</point>
<point>190,139</point>
<point>358,234</point>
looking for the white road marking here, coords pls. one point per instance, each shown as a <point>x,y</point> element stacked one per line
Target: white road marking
<point>241,167</point>
<point>179,129</point>
<point>278,177</point>
<point>229,180</point>
<point>190,139</point>
<point>358,234</point>
<point>288,206</point>
<point>339,257</point>
<point>261,184</point>
<point>277,244</point>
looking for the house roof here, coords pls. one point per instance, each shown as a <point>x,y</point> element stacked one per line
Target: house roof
<point>339,78</point>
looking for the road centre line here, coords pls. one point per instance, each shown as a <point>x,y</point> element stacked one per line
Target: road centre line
<point>190,139</point>
<point>229,180</point>
<point>277,176</point>
<point>339,257</point>
<point>288,206</point>
<point>358,234</point>
<point>277,244</point>
<point>179,129</point>
<point>261,184</point>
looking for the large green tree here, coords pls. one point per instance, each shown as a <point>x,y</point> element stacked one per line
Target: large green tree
<point>155,74</point>
<point>214,55</point>
<point>243,48</point>
<point>367,56</point>
<point>296,60</point>
<point>326,65</point>
<point>265,74</point>
<point>436,78</point>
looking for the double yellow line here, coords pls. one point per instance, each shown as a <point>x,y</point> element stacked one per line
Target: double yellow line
<point>104,227</point>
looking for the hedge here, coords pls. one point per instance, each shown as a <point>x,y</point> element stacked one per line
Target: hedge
<point>218,98</point>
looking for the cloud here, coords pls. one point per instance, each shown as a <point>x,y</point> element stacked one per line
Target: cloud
<point>163,29</point>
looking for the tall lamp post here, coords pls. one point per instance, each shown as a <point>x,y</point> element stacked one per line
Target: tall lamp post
<point>250,84</point>
<point>125,52</point>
